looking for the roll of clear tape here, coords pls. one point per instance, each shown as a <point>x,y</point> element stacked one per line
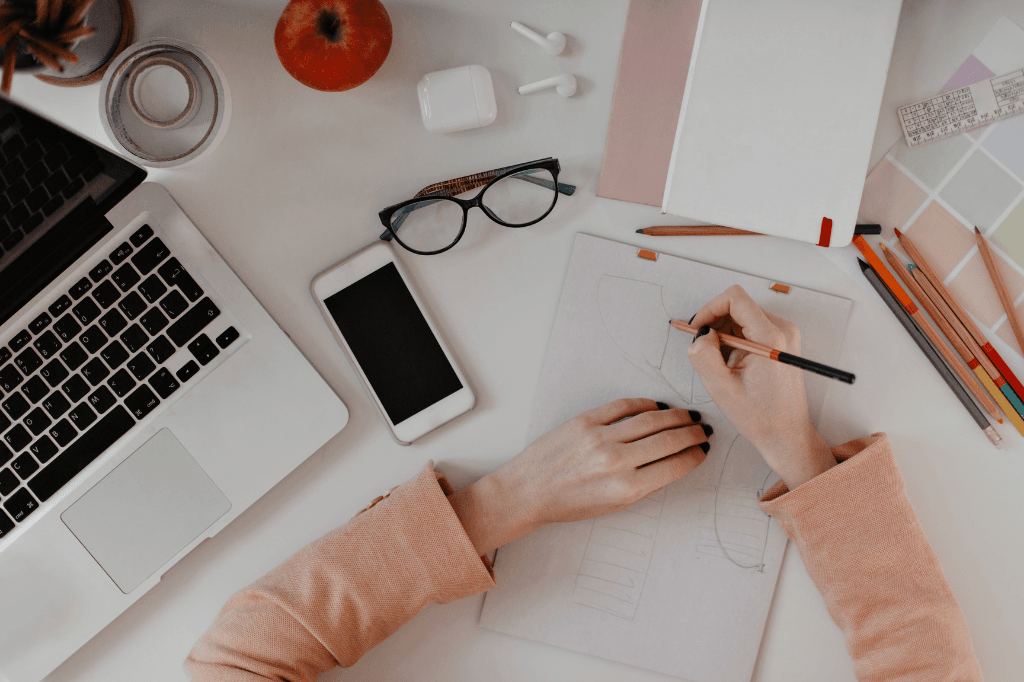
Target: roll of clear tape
<point>154,143</point>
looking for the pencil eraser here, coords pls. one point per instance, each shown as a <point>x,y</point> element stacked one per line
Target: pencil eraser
<point>457,99</point>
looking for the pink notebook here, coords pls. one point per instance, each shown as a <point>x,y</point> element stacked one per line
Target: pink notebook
<point>653,64</point>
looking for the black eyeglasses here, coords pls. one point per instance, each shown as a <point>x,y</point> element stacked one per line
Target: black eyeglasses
<point>514,196</point>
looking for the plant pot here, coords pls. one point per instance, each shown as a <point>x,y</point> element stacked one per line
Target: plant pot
<point>114,23</point>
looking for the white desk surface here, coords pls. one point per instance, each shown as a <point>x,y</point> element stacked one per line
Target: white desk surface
<point>296,186</point>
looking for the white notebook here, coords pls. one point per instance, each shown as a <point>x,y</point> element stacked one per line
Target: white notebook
<point>779,114</point>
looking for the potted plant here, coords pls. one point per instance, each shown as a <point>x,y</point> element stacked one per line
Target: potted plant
<point>65,42</point>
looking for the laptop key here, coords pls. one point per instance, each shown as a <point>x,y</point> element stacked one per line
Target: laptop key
<point>141,402</point>
<point>20,505</point>
<point>176,275</point>
<point>5,454</point>
<point>17,438</point>
<point>114,354</point>
<point>203,349</point>
<point>28,361</point>
<point>192,322</point>
<point>36,421</point>
<point>86,311</point>
<point>8,482</point>
<point>163,383</point>
<point>125,277</point>
<point>63,432</point>
<point>134,338</point>
<point>67,327</point>
<point>141,235</point>
<point>6,525</point>
<point>73,356</point>
<point>56,404</point>
<point>4,423</point>
<point>121,383</point>
<point>113,322</point>
<point>90,445</point>
<point>160,349</point>
<point>152,288</point>
<point>5,355</point>
<point>102,399</point>
<point>121,252</point>
<point>40,323</point>
<point>150,255</point>
<point>188,370</point>
<point>174,304</point>
<point>16,405</point>
<point>106,294</point>
<point>10,377</point>
<point>54,372</point>
<point>81,287</point>
<point>51,206</point>
<point>132,305</point>
<point>43,449</point>
<point>35,390</point>
<point>100,271</point>
<point>154,321</point>
<point>19,340</point>
<point>95,371</point>
<point>93,339</point>
<point>47,344</point>
<point>82,416</point>
<point>141,366</point>
<point>75,388</point>
<point>227,337</point>
<point>25,466</point>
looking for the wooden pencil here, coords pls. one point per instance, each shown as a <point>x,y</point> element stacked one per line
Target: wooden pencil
<point>968,357</point>
<point>772,354</point>
<point>1000,284</point>
<point>961,314</point>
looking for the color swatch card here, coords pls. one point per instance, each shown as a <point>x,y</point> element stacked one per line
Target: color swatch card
<point>939,191</point>
<point>681,581</point>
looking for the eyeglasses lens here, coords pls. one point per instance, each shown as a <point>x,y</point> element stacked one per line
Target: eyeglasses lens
<point>428,225</point>
<point>522,198</point>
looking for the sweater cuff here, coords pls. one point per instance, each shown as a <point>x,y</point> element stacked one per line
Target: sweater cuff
<point>865,465</point>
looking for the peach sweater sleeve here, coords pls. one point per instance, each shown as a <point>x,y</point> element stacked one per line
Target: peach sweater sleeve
<point>345,593</point>
<point>864,548</point>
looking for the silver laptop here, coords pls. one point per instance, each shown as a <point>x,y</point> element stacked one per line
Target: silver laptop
<point>146,398</point>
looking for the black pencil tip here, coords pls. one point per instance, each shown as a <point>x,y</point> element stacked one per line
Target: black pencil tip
<point>640,231</point>
<point>863,266</point>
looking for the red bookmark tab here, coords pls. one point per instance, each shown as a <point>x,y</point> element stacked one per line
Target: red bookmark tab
<point>997,360</point>
<point>826,232</point>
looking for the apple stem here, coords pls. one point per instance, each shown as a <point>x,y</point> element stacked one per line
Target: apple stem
<point>329,26</point>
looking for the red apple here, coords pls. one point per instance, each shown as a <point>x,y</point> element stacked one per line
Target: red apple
<point>333,44</point>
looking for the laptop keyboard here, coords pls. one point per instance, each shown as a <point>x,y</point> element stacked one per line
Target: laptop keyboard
<point>41,167</point>
<point>84,372</point>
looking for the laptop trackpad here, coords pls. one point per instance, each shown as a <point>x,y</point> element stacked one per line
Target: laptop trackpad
<point>146,510</point>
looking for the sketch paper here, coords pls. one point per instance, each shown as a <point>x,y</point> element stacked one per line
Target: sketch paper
<point>681,582</point>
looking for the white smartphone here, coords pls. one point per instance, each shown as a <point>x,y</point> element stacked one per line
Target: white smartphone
<point>382,326</point>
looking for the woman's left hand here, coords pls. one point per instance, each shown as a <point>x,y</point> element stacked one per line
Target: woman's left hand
<point>599,462</point>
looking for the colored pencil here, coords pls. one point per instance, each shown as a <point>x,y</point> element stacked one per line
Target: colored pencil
<point>937,362</point>
<point>723,231</point>
<point>968,379</point>
<point>957,343</point>
<point>993,355</point>
<point>1000,284</point>
<point>772,354</point>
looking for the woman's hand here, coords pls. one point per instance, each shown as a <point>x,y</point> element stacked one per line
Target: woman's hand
<point>764,400</point>
<point>600,462</point>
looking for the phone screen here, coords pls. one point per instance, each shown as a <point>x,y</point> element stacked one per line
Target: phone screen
<point>393,343</point>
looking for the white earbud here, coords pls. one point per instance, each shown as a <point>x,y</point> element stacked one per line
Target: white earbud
<point>553,44</point>
<point>564,85</point>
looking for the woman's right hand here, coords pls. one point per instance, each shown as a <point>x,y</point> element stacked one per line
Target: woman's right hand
<point>764,400</point>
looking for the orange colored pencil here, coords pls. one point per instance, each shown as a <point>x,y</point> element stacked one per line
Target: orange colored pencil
<point>772,354</point>
<point>1000,285</point>
<point>967,378</point>
<point>961,314</point>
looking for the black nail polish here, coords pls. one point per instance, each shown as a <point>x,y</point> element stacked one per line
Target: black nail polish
<point>691,318</point>
<point>694,416</point>
<point>707,429</point>
<point>662,406</point>
<point>701,332</point>
<point>705,447</point>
